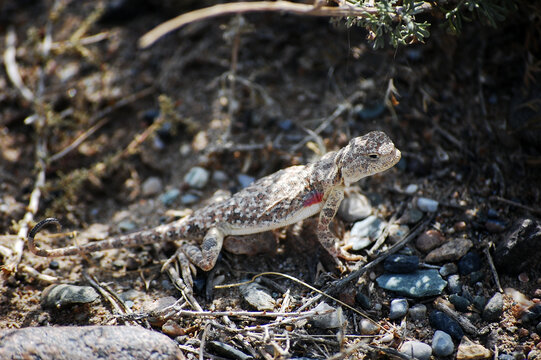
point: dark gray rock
(399, 308)
(61, 295)
(401, 264)
(460, 302)
(442, 344)
(417, 312)
(440, 321)
(417, 284)
(469, 263)
(519, 250)
(494, 308)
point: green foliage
(396, 21)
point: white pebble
(197, 177)
(427, 205)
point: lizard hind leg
(206, 255)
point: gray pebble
(427, 205)
(494, 308)
(355, 207)
(417, 312)
(401, 264)
(87, 342)
(479, 302)
(126, 225)
(460, 302)
(448, 269)
(363, 301)
(416, 349)
(245, 180)
(417, 284)
(152, 186)
(411, 189)
(188, 199)
(454, 284)
(168, 197)
(399, 308)
(59, 295)
(442, 344)
(256, 296)
(331, 318)
(364, 232)
(197, 177)
(411, 216)
(219, 176)
(367, 327)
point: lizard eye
(373, 156)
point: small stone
(367, 327)
(60, 295)
(219, 176)
(401, 264)
(173, 329)
(151, 186)
(416, 350)
(363, 301)
(448, 269)
(245, 180)
(399, 309)
(331, 318)
(257, 297)
(469, 263)
(442, 344)
(169, 196)
(454, 284)
(495, 226)
(476, 276)
(450, 251)
(429, 240)
(417, 312)
(494, 308)
(126, 226)
(417, 284)
(506, 357)
(364, 232)
(479, 302)
(468, 350)
(460, 226)
(523, 277)
(460, 302)
(355, 207)
(54, 265)
(397, 232)
(411, 189)
(427, 205)
(197, 177)
(440, 321)
(411, 216)
(532, 314)
(189, 199)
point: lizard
(272, 202)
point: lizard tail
(129, 240)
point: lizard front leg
(206, 255)
(324, 233)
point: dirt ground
(250, 95)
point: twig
(464, 322)
(486, 251)
(516, 204)
(368, 349)
(12, 70)
(264, 6)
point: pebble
(355, 207)
(460, 302)
(331, 319)
(256, 296)
(363, 232)
(468, 350)
(245, 180)
(197, 177)
(152, 186)
(450, 251)
(495, 226)
(126, 226)
(494, 308)
(219, 176)
(60, 295)
(367, 327)
(411, 216)
(173, 329)
(440, 321)
(397, 232)
(429, 240)
(454, 284)
(417, 312)
(168, 197)
(189, 199)
(401, 264)
(399, 309)
(506, 357)
(427, 205)
(476, 276)
(448, 269)
(519, 249)
(469, 263)
(416, 350)
(442, 344)
(532, 314)
(87, 342)
(479, 302)
(417, 284)
(363, 301)
(227, 351)
(411, 189)
(54, 265)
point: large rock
(520, 249)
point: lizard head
(367, 155)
